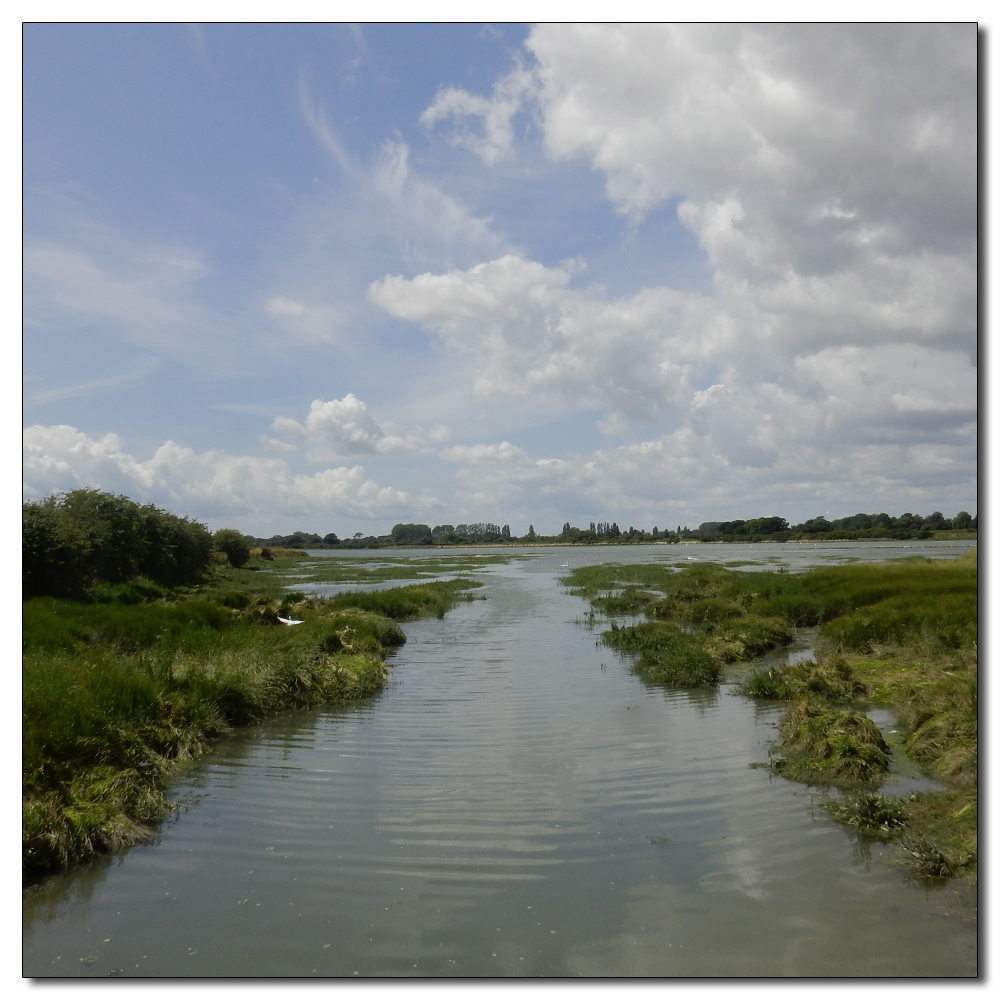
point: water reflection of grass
(118, 689)
(901, 634)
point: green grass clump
(871, 814)
(825, 745)
(629, 601)
(402, 603)
(831, 678)
(666, 655)
(708, 611)
(745, 637)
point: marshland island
(669, 724)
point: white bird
(290, 621)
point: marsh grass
(824, 745)
(665, 654)
(830, 678)
(871, 814)
(115, 692)
(901, 634)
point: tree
(410, 534)
(236, 547)
(962, 520)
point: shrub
(235, 546)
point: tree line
(78, 541)
(773, 528)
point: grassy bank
(901, 635)
(118, 688)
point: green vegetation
(234, 545)
(666, 655)
(125, 674)
(831, 746)
(901, 634)
(73, 541)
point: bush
(235, 546)
(77, 540)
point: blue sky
(331, 277)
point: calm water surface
(515, 803)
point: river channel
(514, 803)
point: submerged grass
(901, 634)
(115, 693)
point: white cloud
(346, 427)
(828, 173)
(529, 332)
(482, 454)
(284, 307)
(494, 142)
(211, 484)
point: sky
(329, 277)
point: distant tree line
(774, 529)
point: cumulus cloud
(828, 173)
(346, 427)
(212, 484)
(530, 332)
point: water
(515, 803)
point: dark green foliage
(410, 534)
(83, 538)
(870, 813)
(235, 546)
(711, 610)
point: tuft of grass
(666, 655)
(630, 601)
(923, 859)
(871, 814)
(827, 746)
(831, 678)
